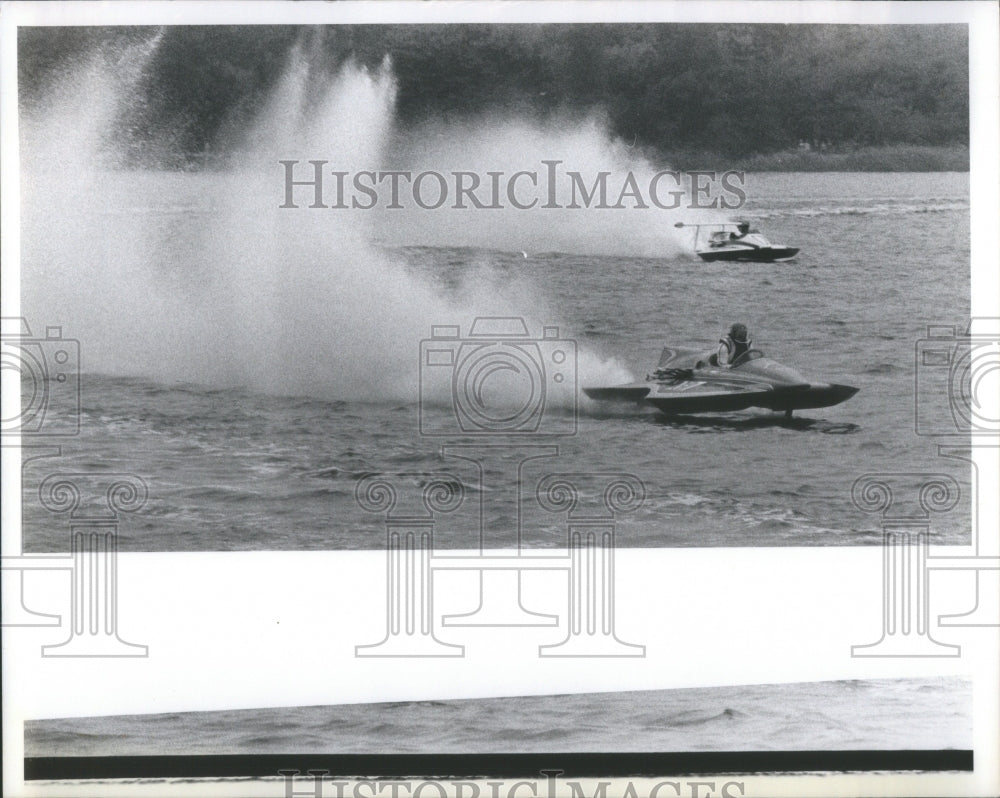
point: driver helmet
(738, 332)
(743, 227)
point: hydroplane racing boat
(687, 380)
(736, 242)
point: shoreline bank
(894, 158)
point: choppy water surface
(847, 715)
(259, 443)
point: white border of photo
(292, 643)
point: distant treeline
(732, 90)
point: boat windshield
(746, 357)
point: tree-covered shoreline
(888, 158)
(761, 97)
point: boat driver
(743, 228)
(734, 344)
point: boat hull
(757, 255)
(816, 395)
(803, 397)
(685, 383)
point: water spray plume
(201, 277)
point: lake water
(236, 459)
(929, 714)
(252, 364)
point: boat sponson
(758, 255)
